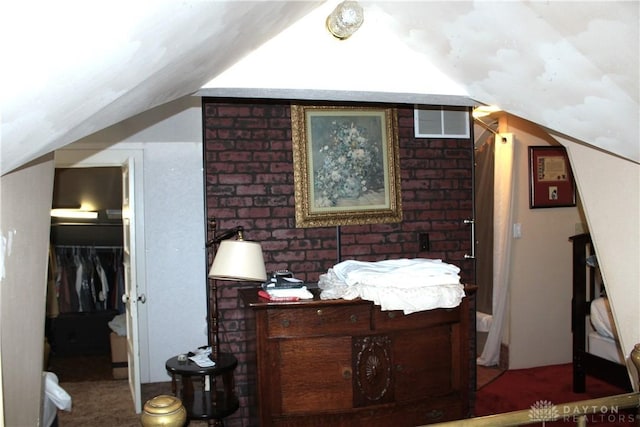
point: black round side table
(211, 399)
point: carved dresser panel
(347, 363)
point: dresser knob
(319, 312)
(391, 315)
(434, 414)
(346, 374)
(353, 318)
(286, 323)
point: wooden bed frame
(584, 288)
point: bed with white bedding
(596, 350)
(602, 336)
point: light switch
(517, 230)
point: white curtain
(502, 207)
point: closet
(86, 278)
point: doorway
(102, 155)
(84, 309)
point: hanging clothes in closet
(89, 279)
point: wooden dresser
(347, 363)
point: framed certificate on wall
(551, 183)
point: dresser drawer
(417, 413)
(429, 412)
(384, 321)
(318, 321)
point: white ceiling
(71, 68)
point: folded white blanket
(409, 285)
(401, 273)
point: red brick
(249, 182)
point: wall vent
(441, 122)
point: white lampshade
(239, 260)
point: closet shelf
(93, 234)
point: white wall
(26, 202)
(175, 252)
(539, 329)
(610, 187)
(175, 268)
(173, 320)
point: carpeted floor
(98, 399)
(521, 389)
(81, 368)
(108, 404)
(484, 375)
(105, 403)
(99, 403)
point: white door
(131, 297)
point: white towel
(302, 292)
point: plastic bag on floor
(55, 397)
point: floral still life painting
(345, 165)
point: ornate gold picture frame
(346, 165)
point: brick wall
(249, 182)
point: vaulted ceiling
(71, 68)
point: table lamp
(235, 260)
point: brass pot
(163, 411)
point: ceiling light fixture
(484, 110)
(74, 213)
(345, 19)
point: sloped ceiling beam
(77, 67)
(71, 68)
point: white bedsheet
(603, 339)
(604, 347)
(409, 285)
(602, 319)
